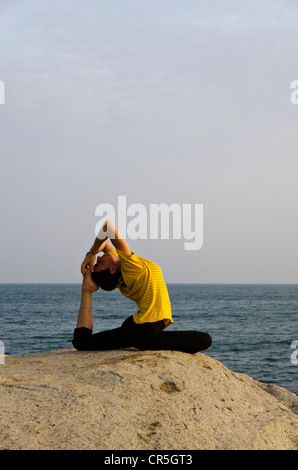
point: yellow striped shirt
(145, 285)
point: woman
(140, 280)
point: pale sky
(162, 101)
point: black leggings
(141, 336)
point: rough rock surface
(130, 399)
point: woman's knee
(207, 341)
(195, 341)
(81, 339)
(204, 342)
(79, 345)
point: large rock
(130, 399)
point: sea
(254, 327)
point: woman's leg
(185, 341)
(84, 340)
(145, 336)
(117, 338)
(85, 317)
(153, 337)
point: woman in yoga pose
(140, 280)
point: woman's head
(105, 279)
(107, 271)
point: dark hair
(105, 280)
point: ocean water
(252, 326)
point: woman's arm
(101, 243)
(108, 247)
(109, 230)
